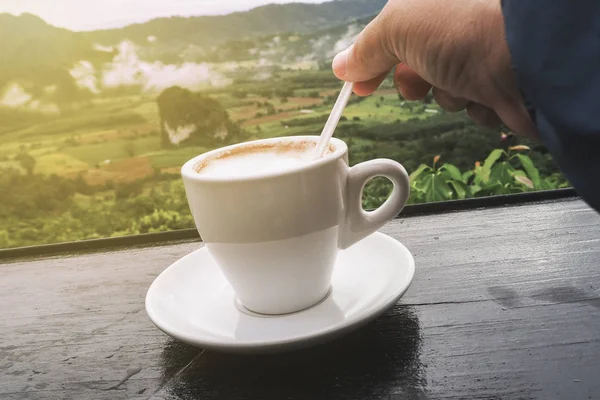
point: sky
(81, 15)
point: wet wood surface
(505, 305)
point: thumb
(370, 56)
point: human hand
(457, 48)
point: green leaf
(461, 190)
(502, 172)
(415, 175)
(453, 171)
(507, 188)
(444, 175)
(435, 188)
(491, 188)
(545, 184)
(531, 170)
(489, 162)
(493, 157)
(467, 175)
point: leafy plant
(502, 172)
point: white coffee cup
(276, 235)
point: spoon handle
(334, 118)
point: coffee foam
(256, 159)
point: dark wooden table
(505, 305)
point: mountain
(283, 48)
(273, 18)
(29, 46)
(36, 59)
(45, 67)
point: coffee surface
(253, 163)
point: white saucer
(192, 301)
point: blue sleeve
(555, 50)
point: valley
(88, 150)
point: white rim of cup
(188, 170)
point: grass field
(166, 159)
(118, 138)
(118, 178)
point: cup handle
(359, 223)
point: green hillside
(272, 18)
(37, 55)
(33, 51)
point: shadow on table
(379, 361)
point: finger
(483, 115)
(410, 85)
(449, 102)
(517, 119)
(368, 87)
(369, 56)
